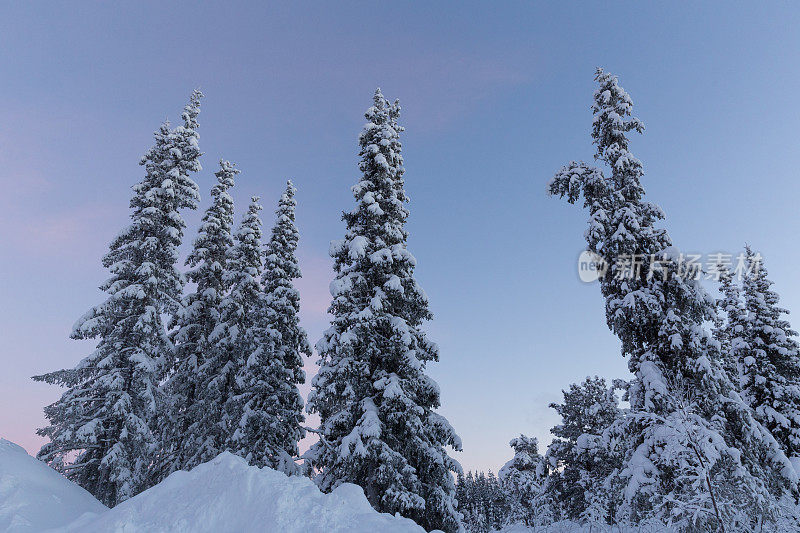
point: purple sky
(495, 99)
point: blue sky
(495, 99)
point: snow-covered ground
(222, 495)
(34, 497)
(572, 527)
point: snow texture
(224, 494)
(34, 497)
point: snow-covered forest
(198, 366)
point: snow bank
(226, 494)
(34, 497)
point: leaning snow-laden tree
(660, 317)
(521, 478)
(770, 360)
(187, 436)
(379, 428)
(582, 457)
(271, 424)
(236, 339)
(105, 419)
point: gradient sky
(495, 99)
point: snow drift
(225, 494)
(34, 497)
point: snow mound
(34, 497)
(226, 494)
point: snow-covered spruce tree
(730, 323)
(272, 418)
(660, 320)
(236, 339)
(580, 458)
(697, 496)
(187, 435)
(521, 478)
(105, 420)
(376, 404)
(770, 360)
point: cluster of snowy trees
(180, 376)
(564, 484)
(704, 436)
(708, 439)
(483, 501)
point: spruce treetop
(282, 245)
(281, 297)
(612, 108)
(244, 260)
(214, 239)
(731, 323)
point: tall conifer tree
(577, 460)
(107, 415)
(379, 428)
(522, 477)
(770, 359)
(272, 417)
(185, 432)
(678, 376)
(236, 338)
(730, 323)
